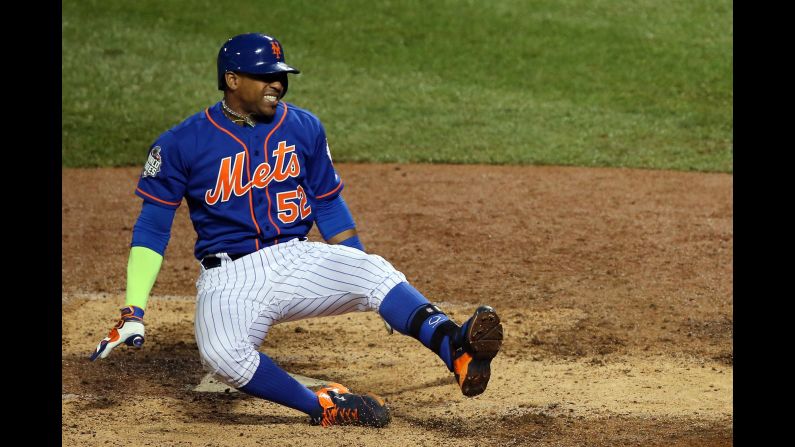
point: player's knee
(232, 364)
(388, 277)
(385, 269)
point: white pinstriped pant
(239, 301)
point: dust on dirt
(614, 287)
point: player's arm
(332, 216)
(151, 234)
(343, 236)
(335, 222)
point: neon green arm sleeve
(142, 269)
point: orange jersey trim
(248, 167)
(330, 192)
(270, 218)
(156, 199)
(265, 152)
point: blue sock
(399, 305)
(410, 313)
(272, 383)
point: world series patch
(152, 166)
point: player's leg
(466, 350)
(314, 279)
(230, 323)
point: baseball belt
(211, 261)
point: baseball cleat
(341, 407)
(480, 341)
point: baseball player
(256, 173)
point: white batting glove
(129, 330)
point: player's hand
(129, 330)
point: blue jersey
(246, 187)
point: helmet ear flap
(222, 79)
(285, 83)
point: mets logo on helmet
(152, 166)
(277, 51)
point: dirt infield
(615, 287)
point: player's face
(259, 94)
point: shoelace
(335, 415)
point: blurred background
(644, 84)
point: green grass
(645, 84)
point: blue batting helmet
(252, 53)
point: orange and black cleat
(341, 407)
(479, 341)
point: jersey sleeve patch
(153, 163)
(163, 180)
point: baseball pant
(240, 300)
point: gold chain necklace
(240, 118)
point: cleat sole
(484, 337)
(485, 334)
(477, 378)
